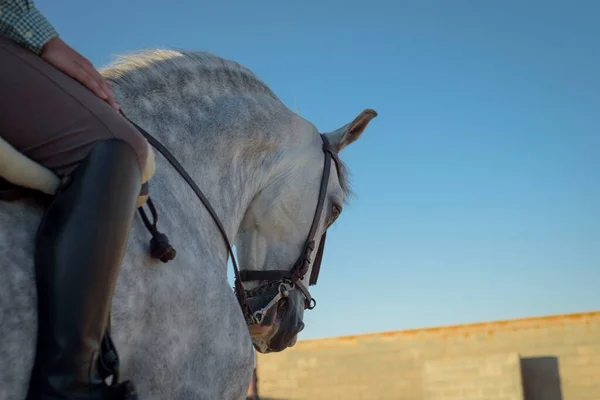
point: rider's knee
(132, 136)
(140, 145)
(145, 158)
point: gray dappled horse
(178, 327)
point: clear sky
(478, 185)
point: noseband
(284, 280)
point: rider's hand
(63, 57)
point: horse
(179, 328)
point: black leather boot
(79, 247)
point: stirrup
(108, 359)
(108, 365)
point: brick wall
(550, 358)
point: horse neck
(230, 160)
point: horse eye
(336, 211)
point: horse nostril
(300, 327)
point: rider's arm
(22, 22)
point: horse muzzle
(288, 322)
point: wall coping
(488, 327)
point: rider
(56, 109)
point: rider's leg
(53, 119)
(57, 122)
(79, 247)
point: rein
(284, 280)
(240, 293)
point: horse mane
(131, 71)
(127, 69)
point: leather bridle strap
(303, 263)
(314, 274)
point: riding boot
(79, 247)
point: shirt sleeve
(23, 23)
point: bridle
(284, 281)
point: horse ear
(347, 134)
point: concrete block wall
(487, 377)
(549, 358)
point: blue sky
(478, 185)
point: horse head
(281, 238)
